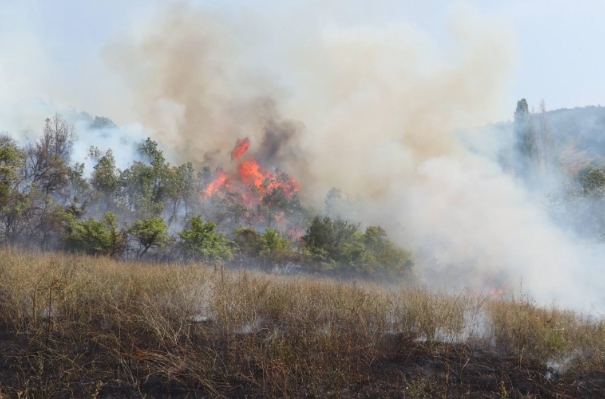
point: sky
(55, 50)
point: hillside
(578, 135)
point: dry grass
(91, 327)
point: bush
(149, 233)
(102, 237)
(205, 242)
(339, 244)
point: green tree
(183, 188)
(13, 203)
(96, 237)
(11, 158)
(326, 238)
(105, 178)
(146, 186)
(381, 253)
(149, 233)
(274, 247)
(204, 242)
(340, 244)
(80, 191)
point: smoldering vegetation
(76, 326)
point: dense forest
(155, 211)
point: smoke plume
(375, 111)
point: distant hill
(578, 135)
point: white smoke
(382, 108)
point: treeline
(580, 203)
(577, 199)
(155, 211)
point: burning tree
(253, 193)
(247, 213)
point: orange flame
(497, 292)
(250, 173)
(216, 184)
(241, 146)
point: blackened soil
(402, 368)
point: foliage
(275, 247)
(592, 180)
(49, 203)
(580, 204)
(145, 186)
(248, 241)
(11, 158)
(326, 238)
(105, 176)
(268, 249)
(96, 237)
(204, 242)
(149, 233)
(340, 244)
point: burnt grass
(79, 327)
(401, 367)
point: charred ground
(79, 326)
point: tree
(525, 140)
(105, 178)
(340, 244)
(11, 158)
(326, 238)
(149, 233)
(248, 241)
(204, 242)
(183, 192)
(274, 247)
(47, 160)
(380, 252)
(592, 180)
(145, 186)
(13, 204)
(79, 190)
(96, 237)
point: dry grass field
(85, 327)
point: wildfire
(241, 146)
(498, 292)
(252, 175)
(216, 184)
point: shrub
(204, 242)
(96, 237)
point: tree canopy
(154, 210)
